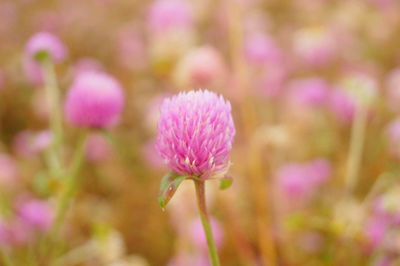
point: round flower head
(36, 213)
(195, 134)
(95, 100)
(203, 66)
(165, 15)
(316, 45)
(308, 92)
(44, 42)
(260, 48)
(342, 106)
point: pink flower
(342, 106)
(308, 92)
(47, 43)
(319, 170)
(195, 134)
(298, 181)
(41, 141)
(294, 182)
(165, 15)
(131, 49)
(42, 42)
(37, 214)
(272, 81)
(28, 144)
(260, 48)
(95, 100)
(375, 231)
(316, 46)
(201, 67)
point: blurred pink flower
(308, 92)
(36, 213)
(41, 42)
(319, 170)
(342, 106)
(131, 49)
(42, 140)
(165, 15)
(271, 82)
(48, 43)
(22, 144)
(94, 100)
(200, 68)
(293, 181)
(97, 148)
(298, 181)
(198, 238)
(316, 45)
(375, 231)
(195, 134)
(28, 144)
(260, 48)
(20, 233)
(8, 171)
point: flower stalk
(56, 124)
(201, 204)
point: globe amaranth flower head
(95, 100)
(44, 42)
(195, 134)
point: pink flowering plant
(195, 136)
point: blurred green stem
(356, 148)
(54, 101)
(68, 188)
(201, 204)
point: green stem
(54, 100)
(201, 204)
(68, 189)
(356, 148)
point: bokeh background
(315, 93)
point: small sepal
(169, 184)
(225, 182)
(42, 55)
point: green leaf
(226, 182)
(169, 184)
